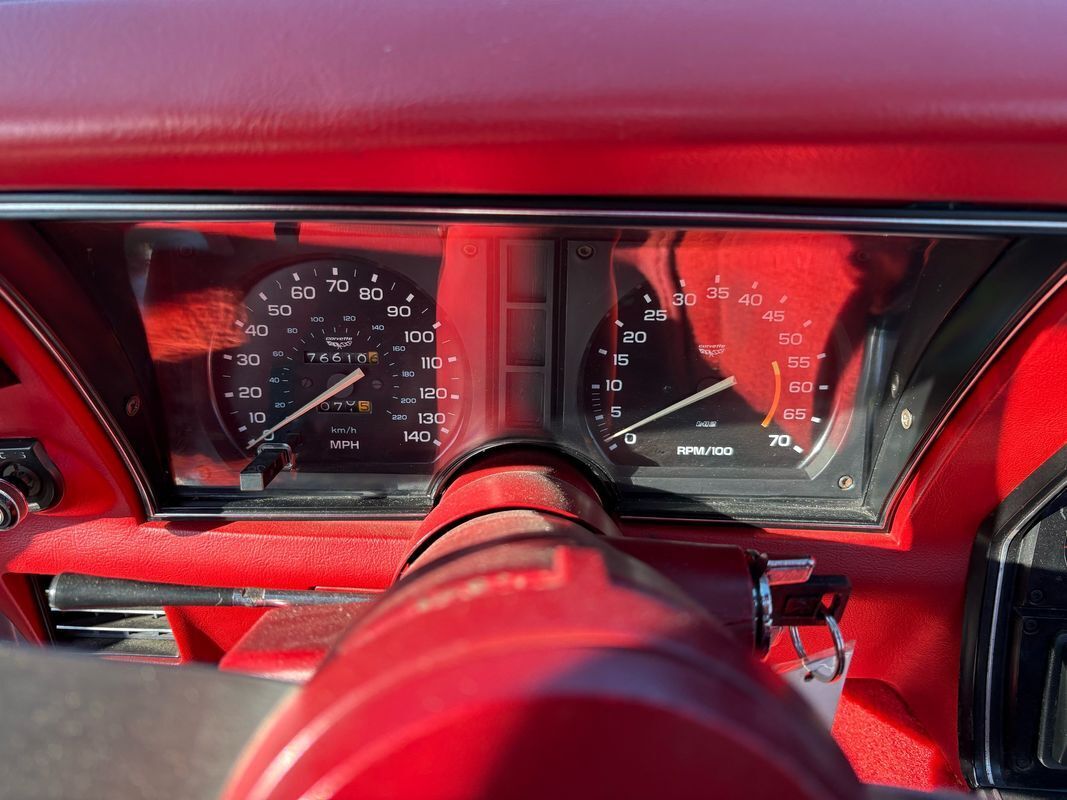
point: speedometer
(727, 372)
(346, 362)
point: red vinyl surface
(833, 102)
(821, 99)
(884, 741)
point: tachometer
(344, 361)
(728, 374)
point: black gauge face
(725, 375)
(346, 362)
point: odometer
(727, 373)
(347, 362)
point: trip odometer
(725, 373)
(346, 362)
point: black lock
(29, 481)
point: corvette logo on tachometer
(711, 350)
(339, 342)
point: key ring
(839, 651)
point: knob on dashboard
(13, 505)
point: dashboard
(695, 363)
(279, 284)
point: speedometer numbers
(347, 363)
(724, 374)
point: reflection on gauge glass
(345, 361)
(727, 374)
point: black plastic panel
(1013, 721)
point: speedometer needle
(337, 388)
(715, 388)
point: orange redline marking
(777, 394)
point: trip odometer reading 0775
(346, 362)
(728, 373)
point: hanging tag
(822, 697)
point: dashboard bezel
(1028, 280)
(997, 745)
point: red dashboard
(540, 183)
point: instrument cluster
(335, 366)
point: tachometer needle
(337, 388)
(715, 388)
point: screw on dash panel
(133, 405)
(845, 482)
(906, 419)
(584, 251)
(469, 250)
